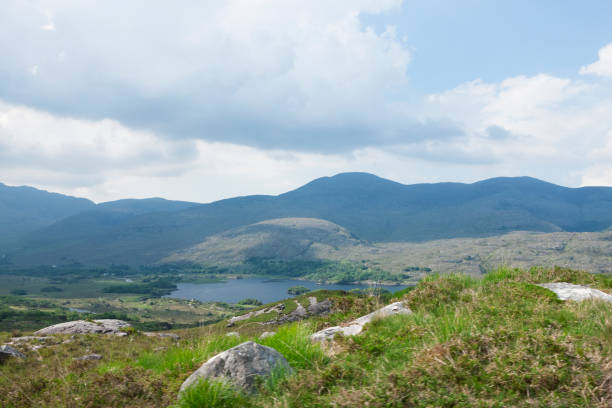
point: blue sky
(216, 99)
(458, 41)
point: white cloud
(272, 74)
(552, 127)
(602, 67)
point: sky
(204, 100)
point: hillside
(285, 238)
(499, 341)
(371, 208)
(26, 209)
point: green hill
(371, 208)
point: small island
(297, 290)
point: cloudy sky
(202, 100)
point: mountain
(143, 206)
(372, 208)
(26, 209)
(284, 238)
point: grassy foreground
(494, 342)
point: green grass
(500, 341)
(216, 394)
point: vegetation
(321, 270)
(56, 295)
(250, 301)
(297, 290)
(497, 341)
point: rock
(276, 308)
(7, 352)
(356, 326)
(89, 357)
(240, 365)
(569, 291)
(25, 339)
(319, 308)
(102, 326)
(232, 334)
(170, 335)
(265, 335)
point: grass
(500, 341)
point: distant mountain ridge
(371, 208)
(24, 210)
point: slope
(372, 208)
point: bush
(297, 290)
(50, 289)
(250, 301)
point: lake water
(264, 290)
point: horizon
(308, 182)
(214, 100)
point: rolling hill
(371, 208)
(285, 238)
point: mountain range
(37, 227)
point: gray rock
(267, 334)
(578, 293)
(25, 339)
(7, 352)
(89, 357)
(276, 308)
(232, 334)
(168, 335)
(356, 326)
(319, 308)
(102, 326)
(240, 365)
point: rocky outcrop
(578, 293)
(27, 339)
(163, 335)
(240, 365)
(300, 312)
(102, 326)
(276, 308)
(7, 352)
(356, 326)
(319, 308)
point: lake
(262, 289)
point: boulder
(7, 352)
(356, 326)
(267, 334)
(89, 357)
(26, 339)
(232, 334)
(163, 335)
(240, 365)
(319, 308)
(102, 326)
(569, 291)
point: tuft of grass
(180, 359)
(212, 394)
(293, 342)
